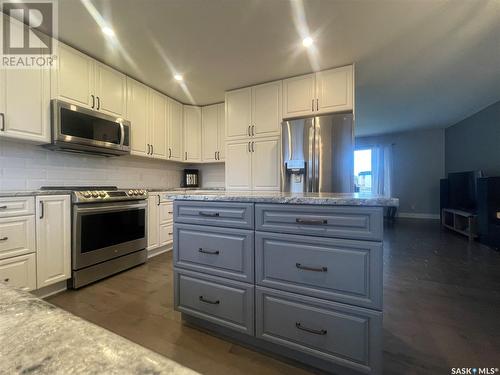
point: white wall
(25, 166)
(418, 165)
(212, 175)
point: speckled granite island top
(39, 338)
(339, 199)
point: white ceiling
(419, 63)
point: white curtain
(382, 170)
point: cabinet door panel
(238, 165)
(110, 90)
(153, 221)
(298, 96)
(75, 77)
(221, 131)
(53, 233)
(19, 272)
(158, 124)
(137, 114)
(210, 115)
(238, 113)
(266, 164)
(192, 133)
(266, 109)
(334, 89)
(25, 104)
(175, 130)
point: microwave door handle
(122, 134)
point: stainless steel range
(109, 231)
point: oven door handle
(110, 208)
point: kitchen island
(39, 338)
(298, 275)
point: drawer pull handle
(170, 233)
(6, 280)
(170, 212)
(209, 214)
(216, 252)
(4, 238)
(311, 221)
(307, 268)
(310, 330)
(3, 207)
(208, 301)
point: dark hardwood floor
(441, 304)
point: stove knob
(95, 194)
(130, 192)
(102, 194)
(142, 192)
(136, 192)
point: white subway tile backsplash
(26, 166)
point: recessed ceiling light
(178, 77)
(307, 42)
(108, 31)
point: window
(363, 171)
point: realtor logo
(28, 32)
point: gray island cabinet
(300, 280)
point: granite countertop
(31, 193)
(340, 199)
(39, 338)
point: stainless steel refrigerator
(318, 154)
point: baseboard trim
(413, 215)
(50, 290)
(159, 250)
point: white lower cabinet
(35, 241)
(253, 165)
(160, 222)
(19, 272)
(53, 235)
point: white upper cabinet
(238, 113)
(192, 133)
(318, 93)
(299, 96)
(221, 131)
(137, 114)
(110, 90)
(85, 81)
(238, 165)
(334, 89)
(74, 81)
(53, 238)
(175, 130)
(158, 124)
(25, 103)
(210, 119)
(266, 109)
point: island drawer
(17, 236)
(19, 272)
(361, 223)
(222, 252)
(335, 332)
(17, 206)
(220, 301)
(341, 270)
(221, 214)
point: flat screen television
(462, 190)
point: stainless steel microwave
(82, 130)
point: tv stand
(460, 221)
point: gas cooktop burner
(95, 194)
